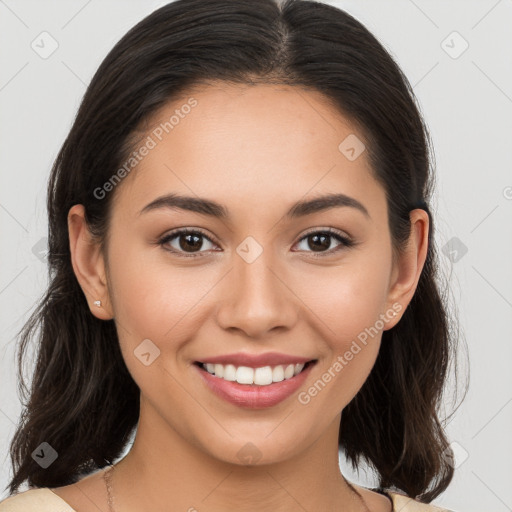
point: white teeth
(278, 374)
(289, 370)
(263, 376)
(260, 376)
(219, 370)
(244, 375)
(229, 372)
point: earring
(97, 303)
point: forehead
(250, 145)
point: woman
(242, 270)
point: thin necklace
(107, 476)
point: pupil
(324, 243)
(187, 237)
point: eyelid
(331, 231)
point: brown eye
(190, 242)
(185, 241)
(321, 241)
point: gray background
(466, 98)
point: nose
(256, 298)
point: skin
(185, 452)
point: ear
(408, 266)
(88, 264)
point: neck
(164, 469)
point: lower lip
(252, 396)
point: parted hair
(81, 398)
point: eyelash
(344, 241)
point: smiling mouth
(261, 376)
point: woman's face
(259, 279)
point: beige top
(45, 500)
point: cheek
(345, 305)
(351, 341)
(346, 299)
(154, 300)
(153, 297)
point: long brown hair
(82, 399)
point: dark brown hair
(82, 399)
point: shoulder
(399, 502)
(403, 503)
(35, 500)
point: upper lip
(256, 360)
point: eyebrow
(214, 209)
